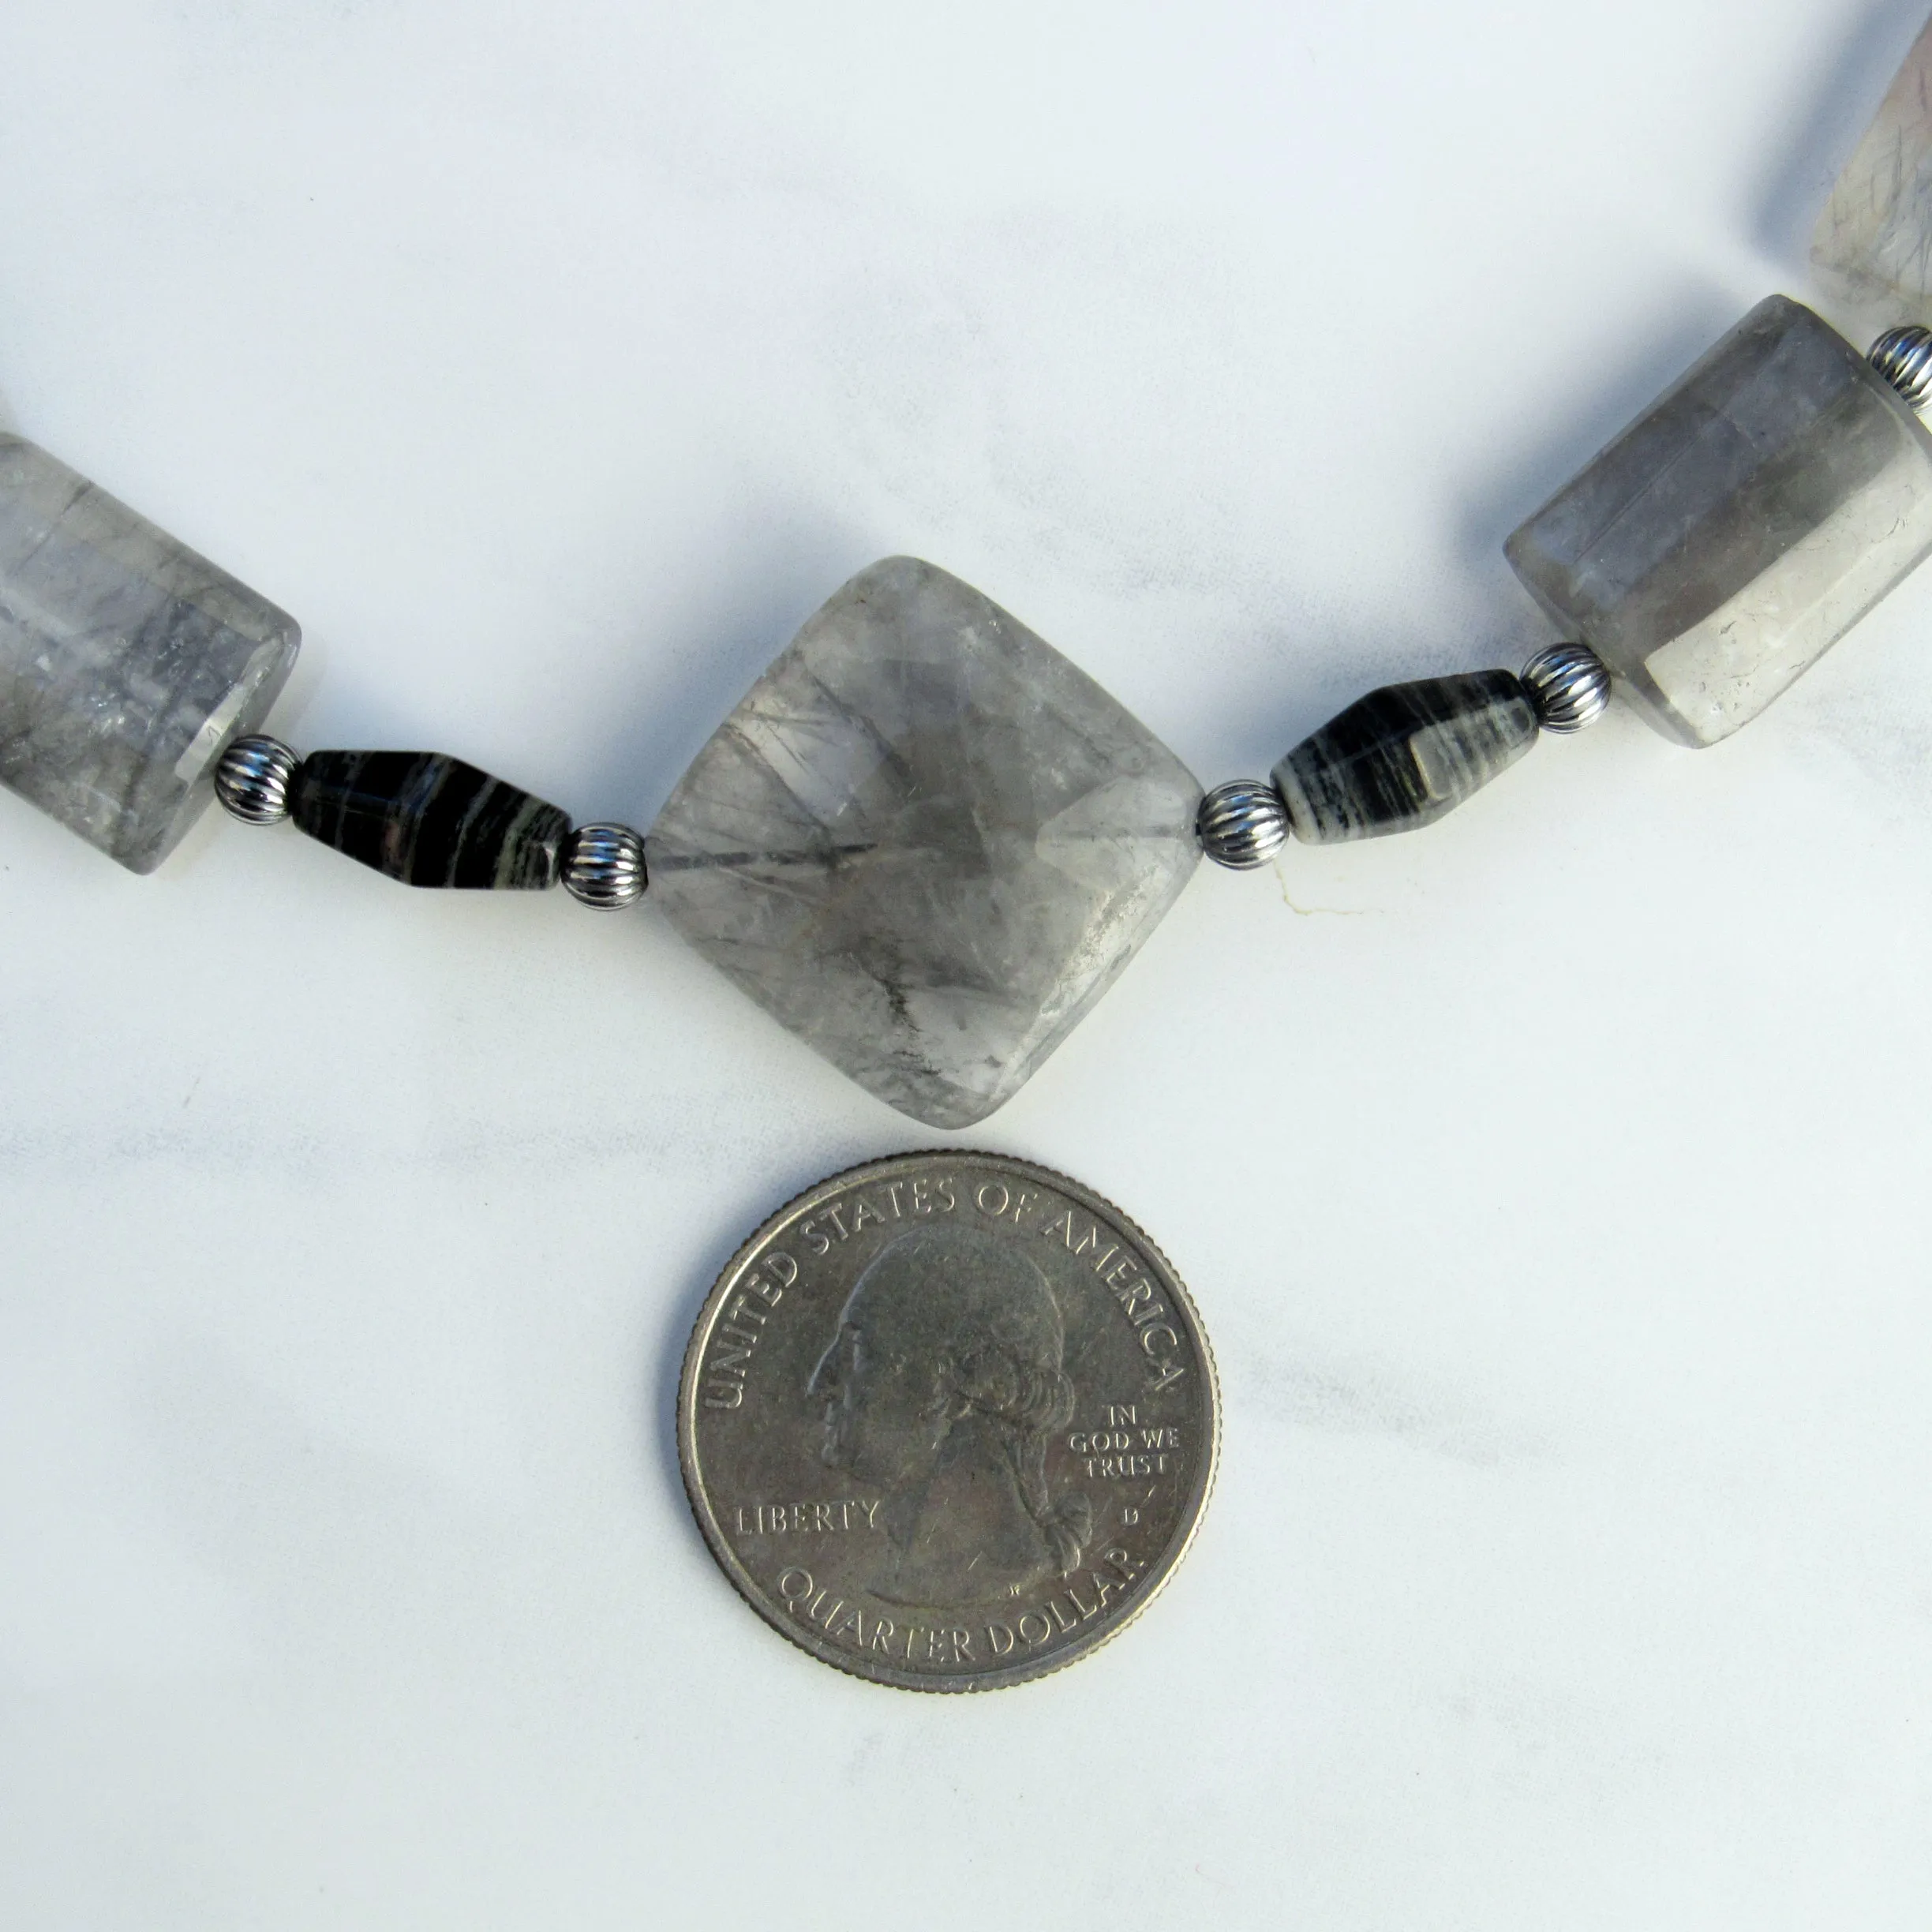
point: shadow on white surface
(778, 568)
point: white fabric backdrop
(1552, 1182)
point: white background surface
(1552, 1182)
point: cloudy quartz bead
(925, 842)
(127, 664)
(1720, 545)
(1873, 244)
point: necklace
(924, 841)
(1267, 980)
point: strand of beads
(1402, 757)
(1799, 492)
(428, 819)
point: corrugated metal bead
(1569, 686)
(603, 867)
(252, 779)
(1903, 357)
(1242, 824)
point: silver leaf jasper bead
(1569, 686)
(252, 779)
(604, 865)
(1242, 824)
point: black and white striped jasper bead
(428, 820)
(1404, 755)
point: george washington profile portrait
(941, 1389)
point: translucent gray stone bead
(1872, 243)
(925, 842)
(127, 662)
(1404, 755)
(1720, 545)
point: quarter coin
(947, 1420)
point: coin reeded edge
(1195, 1506)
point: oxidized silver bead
(252, 779)
(1903, 357)
(1242, 824)
(604, 865)
(1569, 686)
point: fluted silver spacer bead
(1242, 824)
(1903, 357)
(1569, 685)
(252, 779)
(604, 865)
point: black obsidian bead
(1404, 755)
(428, 820)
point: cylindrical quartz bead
(428, 820)
(1404, 755)
(1720, 545)
(127, 662)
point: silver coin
(947, 1420)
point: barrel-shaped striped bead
(428, 820)
(1403, 756)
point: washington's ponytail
(1030, 1402)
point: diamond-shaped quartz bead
(925, 842)
(1873, 244)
